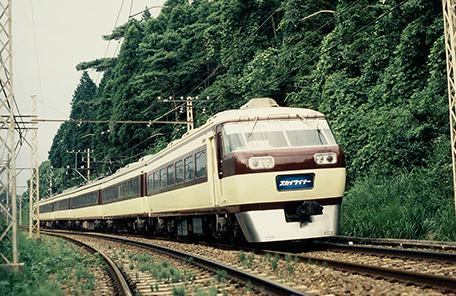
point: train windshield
(270, 134)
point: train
(261, 173)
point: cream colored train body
(263, 172)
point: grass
(406, 205)
(52, 258)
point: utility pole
(34, 223)
(449, 22)
(189, 102)
(190, 124)
(51, 174)
(7, 138)
(88, 162)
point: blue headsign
(294, 182)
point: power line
(293, 47)
(239, 48)
(150, 122)
(318, 55)
(109, 43)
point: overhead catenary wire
(205, 80)
(239, 48)
(293, 47)
(36, 53)
(270, 15)
(318, 55)
(109, 43)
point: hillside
(375, 68)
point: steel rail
(416, 254)
(121, 284)
(444, 283)
(404, 243)
(419, 279)
(258, 283)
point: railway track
(420, 268)
(425, 269)
(200, 272)
(117, 280)
(326, 269)
(398, 243)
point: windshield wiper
(253, 127)
(320, 133)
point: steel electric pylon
(34, 223)
(7, 137)
(449, 22)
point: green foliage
(43, 259)
(247, 262)
(412, 205)
(179, 291)
(374, 68)
(241, 255)
(222, 276)
(290, 268)
(275, 261)
(287, 257)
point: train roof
(263, 108)
(255, 108)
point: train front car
(283, 171)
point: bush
(42, 259)
(408, 205)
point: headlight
(325, 158)
(259, 163)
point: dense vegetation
(49, 265)
(375, 68)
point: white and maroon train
(264, 172)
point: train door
(214, 171)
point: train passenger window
(125, 189)
(130, 188)
(179, 172)
(46, 208)
(136, 187)
(162, 178)
(171, 175)
(200, 164)
(189, 168)
(63, 204)
(150, 182)
(156, 180)
(121, 190)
